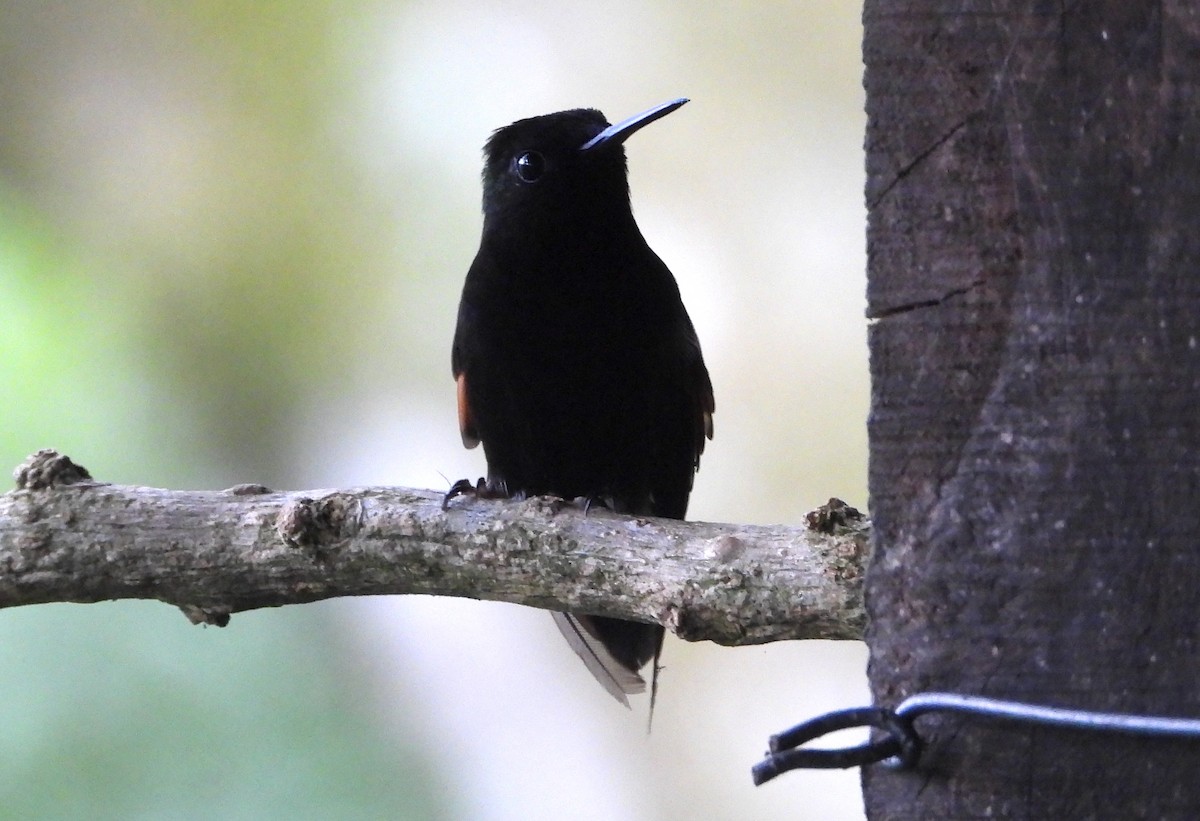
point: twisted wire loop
(900, 746)
(900, 742)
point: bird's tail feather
(612, 649)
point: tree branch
(66, 538)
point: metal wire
(901, 746)
(922, 703)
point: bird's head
(567, 165)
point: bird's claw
(586, 503)
(481, 489)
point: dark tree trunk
(1034, 246)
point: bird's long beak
(617, 134)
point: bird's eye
(530, 166)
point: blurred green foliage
(128, 711)
(168, 355)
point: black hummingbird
(577, 365)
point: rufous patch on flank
(470, 438)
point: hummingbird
(577, 366)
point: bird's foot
(481, 489)
(587, 503)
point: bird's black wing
(686, 415)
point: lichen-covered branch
(67, 538)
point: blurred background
(232, 239)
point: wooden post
(1034, 251)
